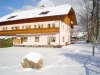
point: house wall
(43, 40)
(65, 32)
(62, 38)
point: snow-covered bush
(6, 42)
(32, 60)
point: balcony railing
(28, 31)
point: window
(36, 39)
(13, 38)
(48, 25)
(26, 27)
(12, 17)
(22, 27)
(38, 26)
(42, 26)
(18, 27)
(15, 28)
(44, 12)
(24, 39)
(34, 26)
(12, 28)
(4, 28)
(29, 26)
(63, 39)
(53, 25)
(52, 39)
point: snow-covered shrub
(32, 60)
(6, 42)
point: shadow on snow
(86, 60)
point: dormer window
(12, 17)
(44, 12)
(42, 6)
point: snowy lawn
(75, 59)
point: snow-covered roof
(39, 12)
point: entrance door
(21, 40)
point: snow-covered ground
(75, 59)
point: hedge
(6, 42)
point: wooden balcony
(28, 31)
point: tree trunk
(94, 24)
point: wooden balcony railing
(28, 31)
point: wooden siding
(17, 41)
(72, 16)
(67, 20)
(29, 31)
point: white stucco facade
(61, 38)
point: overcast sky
(8, 6)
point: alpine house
(45, 26)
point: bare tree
(95, 25)
(85, 17)
(89, 18)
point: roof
(36, 13)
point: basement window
(44, 12)
(12, 17)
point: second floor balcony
(29, 31)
